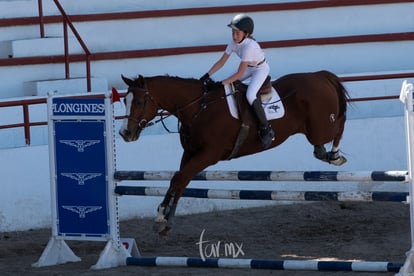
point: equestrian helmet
(242, 22)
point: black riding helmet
(242, 22)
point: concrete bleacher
(199, 30)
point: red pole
(68, 22)
(26, 123)
(66, 45)
(41, 23)
(88, 73)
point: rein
(143, 123)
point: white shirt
(248, 51)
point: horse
(315, 105)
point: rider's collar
(243, 40)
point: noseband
(141, 123)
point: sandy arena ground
(324, 231)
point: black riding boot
(265, 129)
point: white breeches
(257, 76)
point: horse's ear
(141, 80)
(127, 80)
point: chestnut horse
(315, 105)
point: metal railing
(27, 124)
(67, 22)
(41, 21)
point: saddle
(265, 91)
(245, 113)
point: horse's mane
(172, 77)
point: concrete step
(18, 8)
(64, 86)
(5, 49)
(50, 46)
(23, 8)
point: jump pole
(355, 176)
(265, 264)
(356, 196)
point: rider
(252, 65)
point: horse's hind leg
(333, 157)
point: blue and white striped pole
(265, 264)
(268, 195)
(360, 176)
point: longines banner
(81, 172)
(78, 107)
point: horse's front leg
(167, 208)
(191, 164)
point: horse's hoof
(161, 228)
(338, 161)
(164, 233)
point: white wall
(368, 144)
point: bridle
(142, 122)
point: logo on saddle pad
(272, 106)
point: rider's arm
(236, 76)
(220, 63)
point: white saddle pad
(273, 107)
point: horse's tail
(343, 95)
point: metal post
(88, 72)
(26, 121)
(66, 46)
(41, 23)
